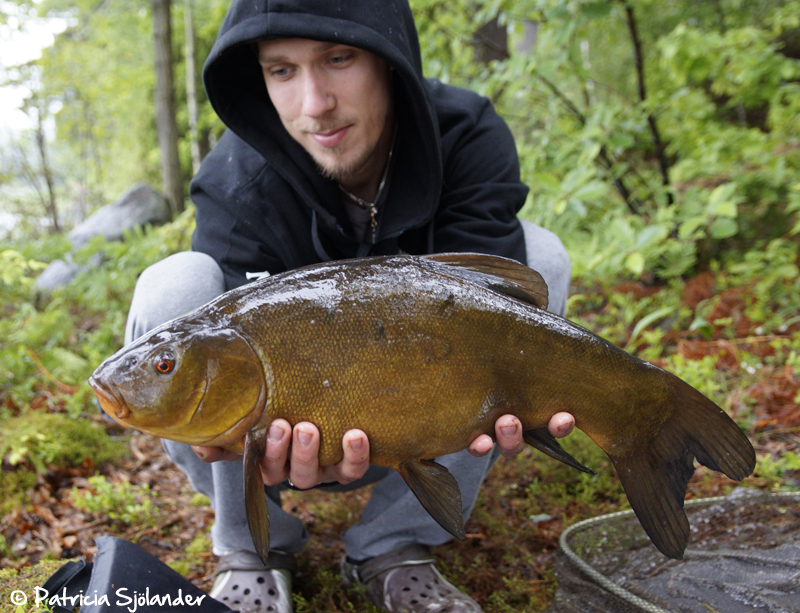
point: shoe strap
(366, 578)
(248, 560)
(408, 555)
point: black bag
(124, 577)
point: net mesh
(743, 557)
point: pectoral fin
(541, 439)
(255, 501)
(437, 491)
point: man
(338, 147)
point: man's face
(335, 100)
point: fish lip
(112, 396)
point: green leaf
(646, 321)
(723, 201)
(593, 10)
(591, 191)
(689, 228)
(635, 263)
(723, 227)
(701, 325)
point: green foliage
(57, 340)
(98, 82)
(27, 580)
(200, 545)
(15, 485)
(16, 273)
(40, 439)
(564, 486)
(720, 87)
(122, 501)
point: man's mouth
(331, 138)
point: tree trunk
(191, 87)
(41, 144)
(166, 124)
(658, 143)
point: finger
(215, 454)
(274, 464)
(509, 435)
(561, 424)
(304, 464)
(355, 463)
(481, 446)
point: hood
(236, 89)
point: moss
(14, 483)
(26, 581)
(42, 439)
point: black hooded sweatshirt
(262, 205)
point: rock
(61, 272)
(58, 273)
(138, 206)
(538, 520)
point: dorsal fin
(497, 273)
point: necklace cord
(371, 206)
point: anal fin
(541, 439)
(255, 501)
(437, 491)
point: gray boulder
(61, 272)
(140, 205)
(58, 273)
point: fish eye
(165, 363)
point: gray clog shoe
(246, 585)
(406, 581)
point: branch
(663, 163)
(632, 203)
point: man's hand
(294, 454)
(508, 431)
(299, 462)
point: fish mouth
(112, 403)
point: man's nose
(317, 97)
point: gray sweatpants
(393, 517)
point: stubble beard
(333, 165)
(343, 170)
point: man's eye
(341, 59)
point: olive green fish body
(368, 353)
(423, 354)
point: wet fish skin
(423, 354)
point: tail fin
(655, 475)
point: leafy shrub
(55, 341)
(653, 167)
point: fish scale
(422, 353)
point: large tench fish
(423, 354)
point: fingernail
(304, 438)
(357, 444)
(509, 430)
(275, 434)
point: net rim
(620, 591)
